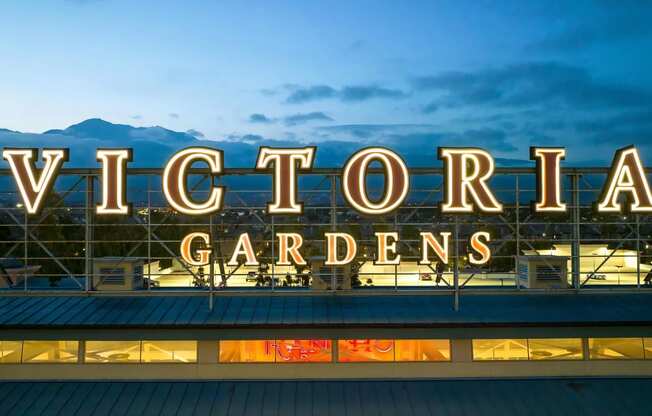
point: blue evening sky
(411, 75)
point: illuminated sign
(387, 251)
(467, 173)
(466, 176)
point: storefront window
(422, 350)
(361, 350)
(10, 352)
(50, 351)
(112, 352)
(246, 351)
(280, 351)
(555, 349)
(303, 350)
(616, 348)
(169, 351)
(500, 349)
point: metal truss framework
(515, 230)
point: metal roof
(411, 397)
(322, 310)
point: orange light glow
(280, 351)
(361, 350)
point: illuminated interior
(555, 349)
(616, 348)
(369, 350)
(279, 351)
(500, 349)
(422, 350)
(599, 265)
(169, 351)
(528, 349)
(321, 350)
(10, 351)
(360, 350)
(112, 352)
(50, 351)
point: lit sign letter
(626, 176)
(23, 167)
(466, 171)
(332, 255)
(429, 241)
(397, 181)
(285, 248)
(285, 185)
(204, 253)
(548, 178)
(243, 247)
(480, 247)
(385, 247)
(175, 180)
(114, 180)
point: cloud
(363, 93)
(618, 22)
(173, 115)
(430, 108)
(303, 118)
(535, 84)
(136, 117)
(260, 118)
(316, 92)
(195, 133)
(347, 94)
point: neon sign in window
(279, 351)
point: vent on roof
(542, 272)
(114, 273)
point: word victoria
(467, 172)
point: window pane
(555, 349)
(112, 352)
(303, 350)
(50, 351)
(358, 350)
(422, 350)
(648, 348)
(616, 348)
(247, 351)
(499, 349)
(10, 352)
(169, 351)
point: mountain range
(152, 146)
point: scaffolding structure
(63, 243)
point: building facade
(108, 306)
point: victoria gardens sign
(466, 190)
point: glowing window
(422, 350)
(555, 349)
(10, 352)
(169, 352)
(50, 351)
(616, 348)
(247, 351)
(500, 349)
(647, 342)
(360, 350)
(112, 352)
(303, 350)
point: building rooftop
(178, 311)
(365, 397)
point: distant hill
(152, 146)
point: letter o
(397, 181)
